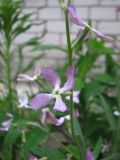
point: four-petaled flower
(6, 124)
(43, 99)
(74, 18)
(27, 78)
(48, 117)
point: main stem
(69, 49)
(70, 64)
(8, 72)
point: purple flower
(43, 99)
(26, 78)
(6, 124)
(74, 18)
(48, 116)
(89, 155)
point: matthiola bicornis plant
(74, 18)
(43, 99)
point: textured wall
(102, 12)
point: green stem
(8, 72)
(69, 49)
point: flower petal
(23, 101)
(76, 113)
(75, 96)
(49, 116)
(70, 80)
(31, 157)
(89, 155)
(40, 100)
(37, 69)
(53, 120)
(116, 113)
(51, 76)
(102, 36)
(6, 125)
(43, 116)
(74, 18)
(25, 78)
(60, 105)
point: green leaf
(78, 84)
(79, 138)
(48, 47)
(51, 154)
(105, 78)
(34, 137)
(97, 148)
(31, 63)
(92, 89)
(78, 131)
(85, 64)
(8, 143)
(108, 110)
(73, 150)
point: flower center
(56, 92)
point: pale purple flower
(6, 124)
(74, 18)
(89, 155)
(23, 101)
(43, 99)
(48, 116)
(75, 96)
(27, 78)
